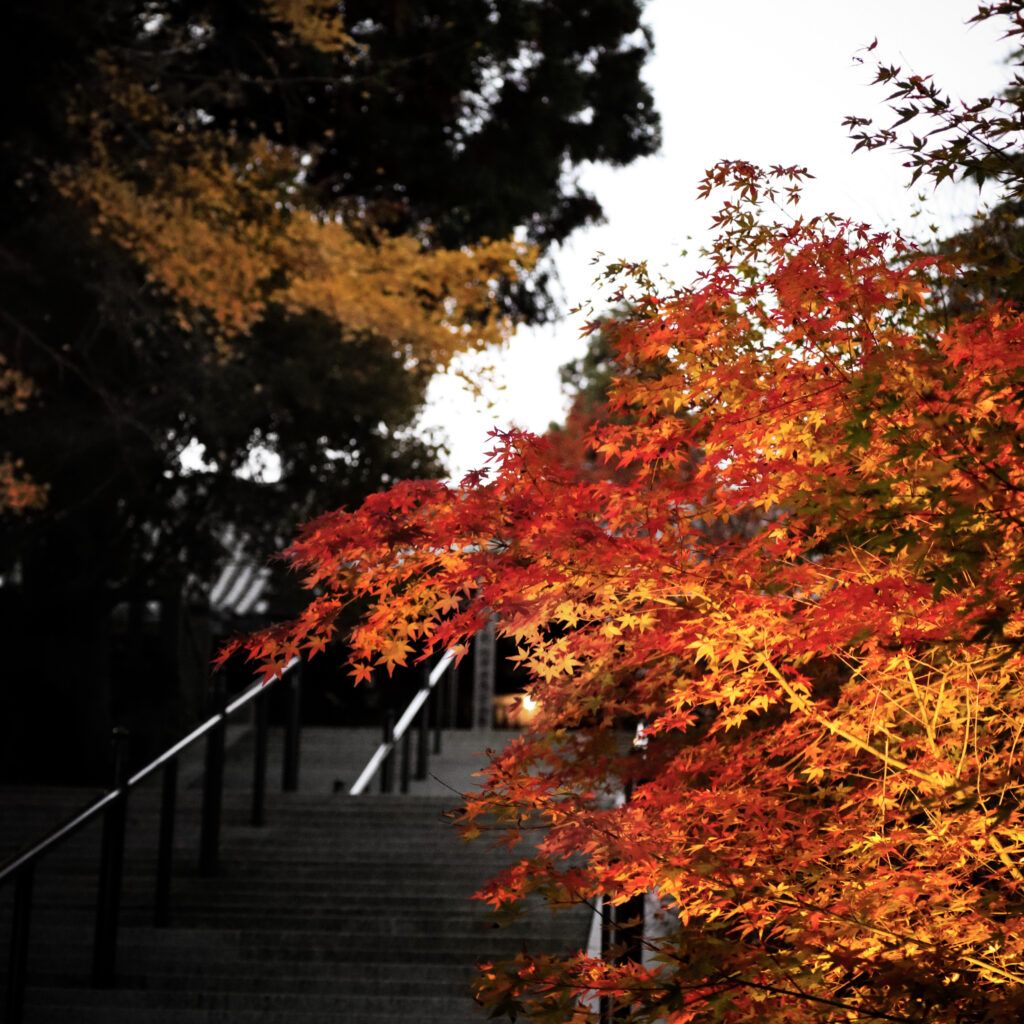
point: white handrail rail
(385, 748)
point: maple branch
(803, 704)
(823, 1000)
(800, 702)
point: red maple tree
(806, 590)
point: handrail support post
(422, 744)
(213, 792)
(387, 781)
(438, 711)
(165, 849)
(108, 899)
(451, 681)
(406, 757)
(292, 730)
(259, 760)
(14, 1003)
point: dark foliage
(459, 119)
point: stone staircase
(339, 909)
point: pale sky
(768, 82)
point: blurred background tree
(238, 239)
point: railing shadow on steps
(19, 870)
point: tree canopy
(798, 582)
(804, 593)
(186, 177)
(239, 230)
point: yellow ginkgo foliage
(18, 491)
(222, 227)
(316, 23)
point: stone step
(357, 979)
(193, 893)
(421, 945)
(382, 1001)
(111, 1013)
(265, 958)
(339, 909)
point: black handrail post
(165, 850)
(443, 685)
(14, 1003)
(259, 759)
(631, 915)
(422, 723)
(213, 787)
(622, 935)
(631, 928)
(422, 743)
(438, 709)
(387, 781)
(290, 766)
(605, 1002)
(108, 899)
(406, 757)
(452, 693)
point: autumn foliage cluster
(802, 582)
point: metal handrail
(57, 836)
(395, 733)
(201, 730)
(68, 828)
(20, 868)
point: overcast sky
(737, 79)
